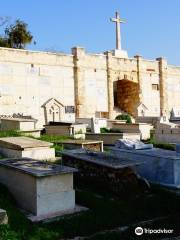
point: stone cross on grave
(118, 21)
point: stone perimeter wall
(88, 82)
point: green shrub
(104, 130)
(166, 146)
(126, 117)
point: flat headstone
(21, 143)
(15, 147)
(36, 168)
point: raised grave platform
(104, 170)
(26, 126)
(86, 144)
(74, 130)
(159, 166)
(143, 128)
(26, 147)
(42, 190)
(110, 138)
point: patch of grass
(10, 133)
(50, 138)
(56, 140)
(166, 146)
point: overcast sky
(152, 29)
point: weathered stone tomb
(26, 147)
(42, 190)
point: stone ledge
(55, 216)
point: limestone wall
(87, 83)
(150, 97)
(29, 79)
(90, 83)
(173, 87)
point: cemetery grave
(87, 198)
(106, 170)
(75, 144)
(143, 128)
(43, 190)
(74, 130)
(26, 127)
(26, 147)
(160, 166)
(110, 137)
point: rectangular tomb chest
(26, 147)
(41, 189)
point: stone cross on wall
(118, 21)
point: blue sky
(152, 29)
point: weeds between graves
(166, 146)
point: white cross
(118, 21)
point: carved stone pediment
(53, 110)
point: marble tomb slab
(42, 190)
(159, 166)
(103, 159)
(26, 147)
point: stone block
(3, 217)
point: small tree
(16, 36)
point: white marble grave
(42, 190)
(26, 147)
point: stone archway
(53, 111)
(128, 96)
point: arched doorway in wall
(127, 96)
